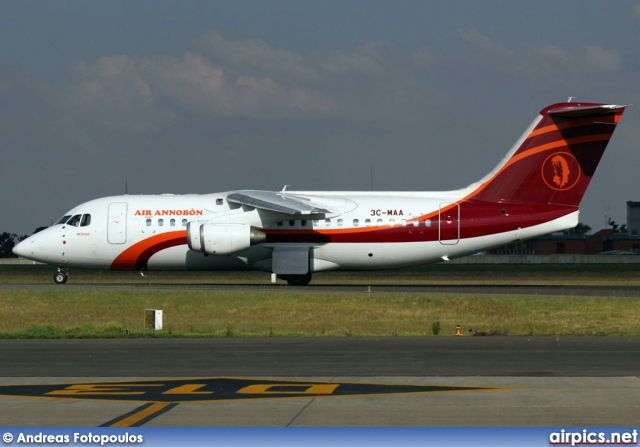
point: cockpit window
(63, 219)
(74, 221)
(86, 220)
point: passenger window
(279, 224)
(86, 220)
(148, 222)
(416, 223)
(160, 222)
(74, 221)
(379, 222)
(292, 223)
(339, 222)
(427, 222)
(184, 222)
(172, 222)
(327, 222)
(403, 222)
(367, 222)
(304, 223)
(356, 222)
(392, 222)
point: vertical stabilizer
(553, 163)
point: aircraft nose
(30, 248)
(21, 249)
(38, 247)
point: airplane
(536, 189)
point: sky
(206, 96)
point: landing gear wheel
(60, 278)
(297, 280)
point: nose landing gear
(60, 277)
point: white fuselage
(152, 231)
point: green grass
(94, 312)
(103, 313)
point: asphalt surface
(520, 356)
(452, 381)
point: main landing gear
(297, 280)
(61, 276)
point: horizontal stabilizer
(590, 110)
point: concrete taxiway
(391, 381)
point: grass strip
(64, 313)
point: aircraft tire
(297, 280)
(60, 278)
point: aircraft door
(449, 223)
(117, 223)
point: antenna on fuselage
(126, 188)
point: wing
(279, 202)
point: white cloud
(480, 41)
(255, 54)
(247, 78)
(554, 54)
(549, 63)
(368, 60)
(601, 59)
(192, 84)
(111, 79)
(342, 63)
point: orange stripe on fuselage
(137, 256)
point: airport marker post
(153, 319)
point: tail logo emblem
(561, 171)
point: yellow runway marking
(141, 415)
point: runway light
(458, 333)
(368, 289)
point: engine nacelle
(222, 239)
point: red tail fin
(555, 162)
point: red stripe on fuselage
(476, 220)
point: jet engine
(222, 239)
